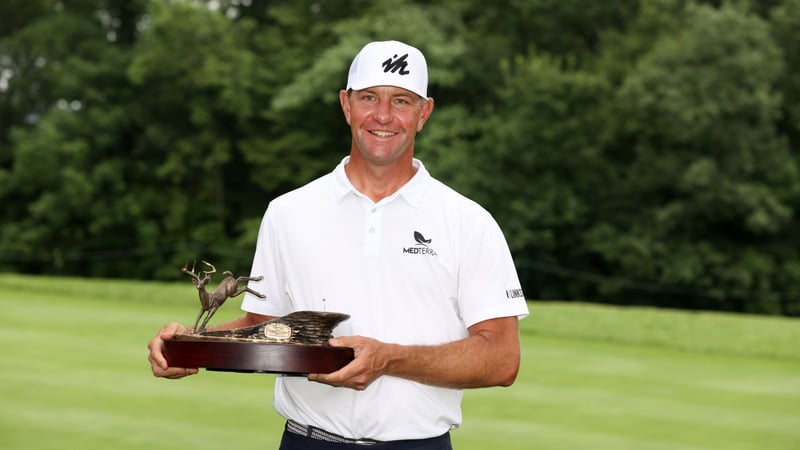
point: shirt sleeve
(489, 286)
(267, 264)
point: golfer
(425, 274)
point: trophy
(295, 344)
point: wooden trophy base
(243, 355)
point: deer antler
(185, 269)
(212, 271)
(196, 279)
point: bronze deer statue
(211, 301)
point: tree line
(634, 152)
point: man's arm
(489, 356)
(158, 363)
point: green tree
(61, 184)
(634, 152)
(785, 21)
(541, 165)
(710, 183)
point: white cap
(389, 63)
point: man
(425, 274)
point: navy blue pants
(292, 441)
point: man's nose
(383, 112)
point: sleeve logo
(514, 293)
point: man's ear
(427, 109)
(344, 100)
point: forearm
(490, 356)
(246, 320)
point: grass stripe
(699, 332)
(73, 374)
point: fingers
(360, 372)
(338, 378)
(157, 360)
(344, 377)
(171, 329)
(158, 363)
(324, 378)
(174, 373)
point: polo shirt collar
(412, 191)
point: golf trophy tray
(295, 344)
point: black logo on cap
(398, 65)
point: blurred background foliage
(634, 152)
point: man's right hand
(158, 363)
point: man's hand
(489, 356)
(368, 364)
(157, 361)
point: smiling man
(425, 274)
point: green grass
(73, 374)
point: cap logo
(397, 65)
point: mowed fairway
(74, 375)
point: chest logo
(421, 247)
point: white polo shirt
(418, 267)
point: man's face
(384, 121)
